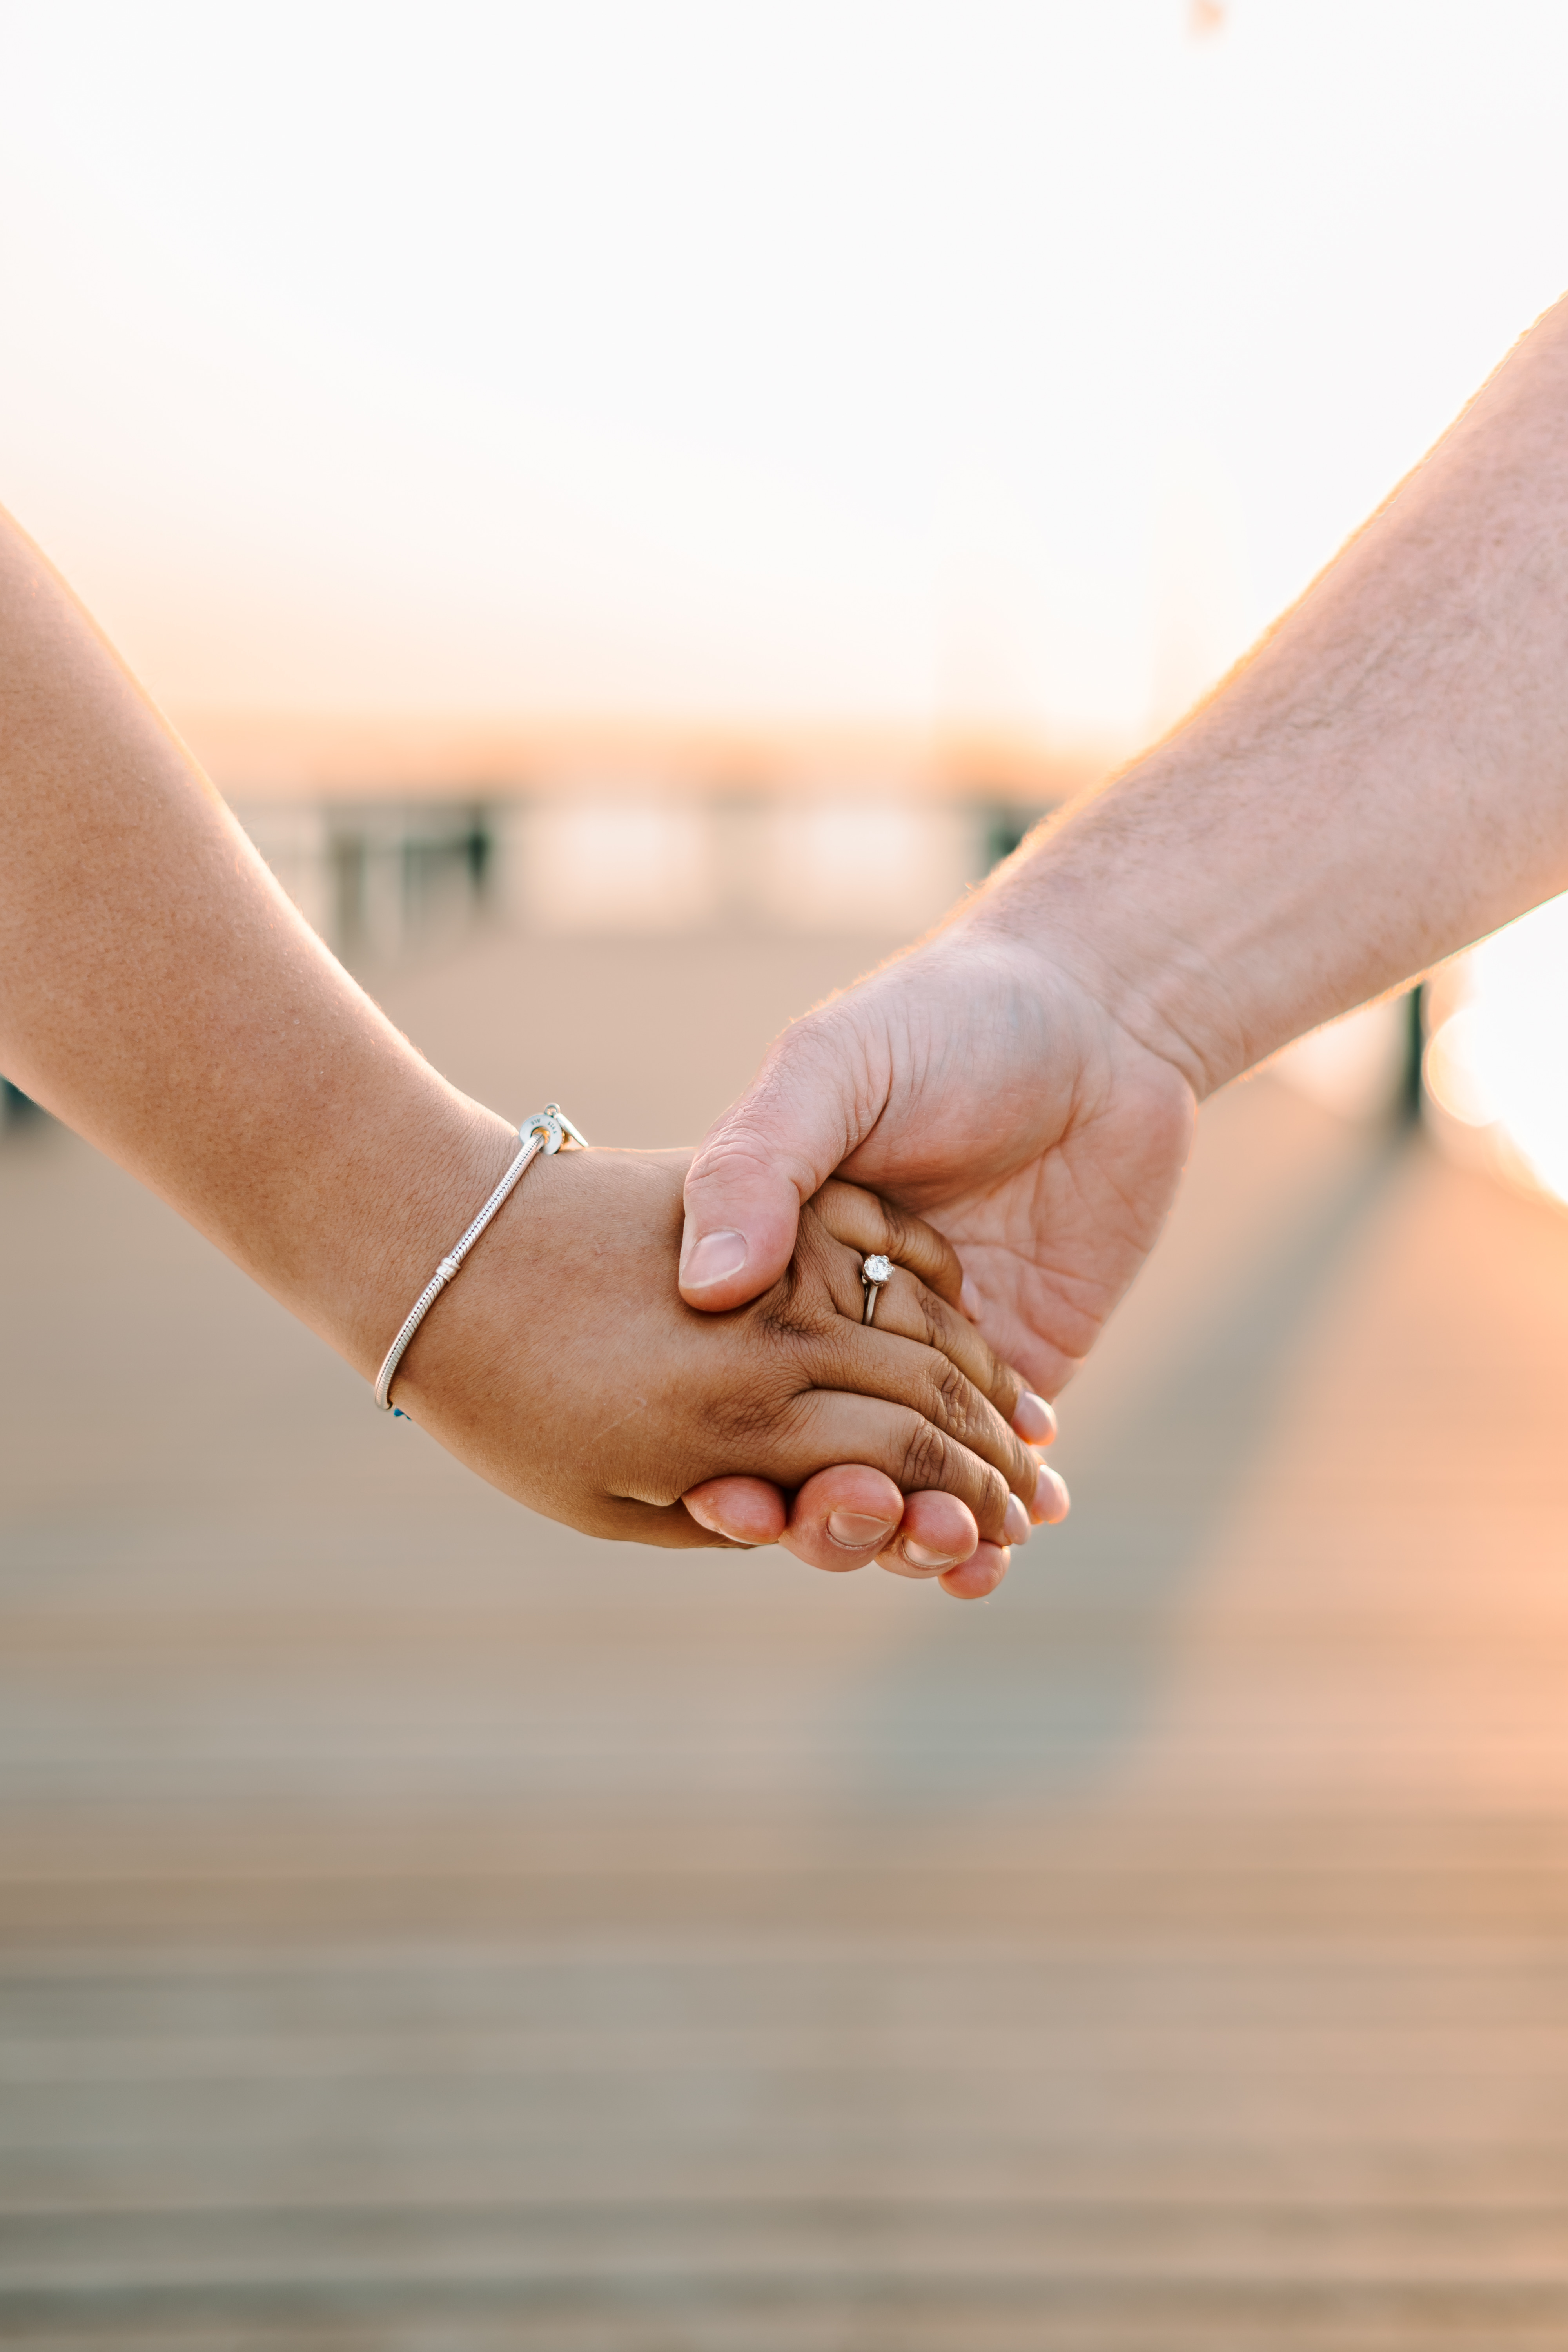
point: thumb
(805, 1112)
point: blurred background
(639, 508)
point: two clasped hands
(673, 1351)
(1382, 782)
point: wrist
(1103, 900)
(426, 1175)
(355, 1199)
(1151, 987)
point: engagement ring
(875, 1271)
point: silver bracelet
(546, 1131)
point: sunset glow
(1496, 1063)
(901, 363)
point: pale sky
(1010, 362)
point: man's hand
(980, 1084)
(1377, 784)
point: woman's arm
(160, 994)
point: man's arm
(1384, 780)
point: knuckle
(963, 1415)
(914, 1238)
(788, 1320)
(955, 1405)
(933, 1317)
(960, 1340)
(837, 1202)
(944, 1329)
(952, 1400)
(1000, 1381)
(950, 1272)
(730, 1153)
(757, 1415)
(989, 1501)
(927, 1463)
(797, 1311)
(800, 1304)
(906, 1235)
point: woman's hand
(565, 1368)
(852, 1513)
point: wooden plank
(421, 1930)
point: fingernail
(712, 1259)
(1052, 1502)
(1016, 1521)
(968, 1299)
(1034, 1420)
(919, 1557)
(705, 1519)
(856, 1531)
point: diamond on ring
(877, 1269)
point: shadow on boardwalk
(1052, 1708)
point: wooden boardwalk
(424, 1931)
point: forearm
(161, 996)
(1384, 780)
